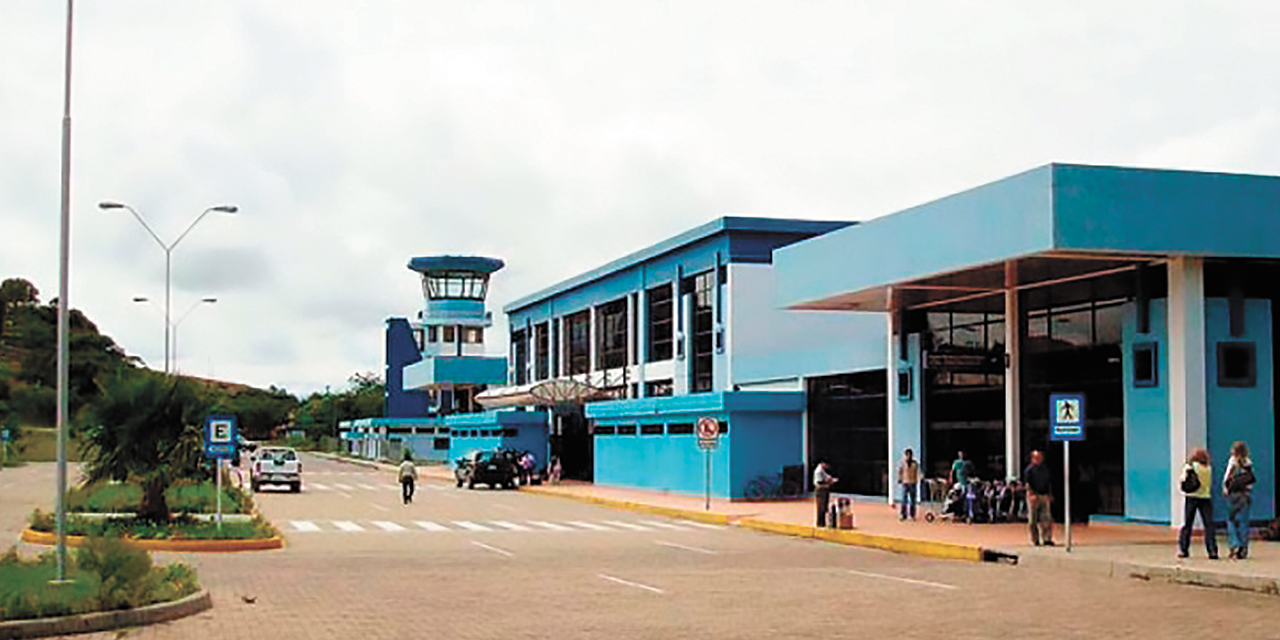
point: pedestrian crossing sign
(1066, 416)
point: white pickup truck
(276, 465)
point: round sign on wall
(707, 428)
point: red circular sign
(708, 428)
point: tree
(146, 429)
(14, 292)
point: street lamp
(168, 254)
(178, 322)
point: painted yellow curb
(639, 507)
(180, 546)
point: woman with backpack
(1237, 486)
(1196, 482)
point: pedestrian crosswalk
(493, 526)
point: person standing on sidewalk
(1039, 487)
(908, 479)
(1237, 486)
(408, 476)
(822, 481)
(961, 471)
(1196, 482)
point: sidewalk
(1119, 550)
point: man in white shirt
(822, 481)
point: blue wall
(1146, 421)
(402, 350)
(531, 434)
(762, 443)
(1242, 413)
(661, 462)
(908, 418)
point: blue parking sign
(1066, 416)
(220, 433)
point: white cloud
(556, 135)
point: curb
(177, 546)
(1267, 585)
(107, 620)
(907, 546)
(355, 461)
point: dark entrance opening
(964, 393)
(848, 427)
(570, 440)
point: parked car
(276, 465)
(492, 468)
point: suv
(493, 468)
(276, 465)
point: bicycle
(772, 486)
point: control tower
(436, 364)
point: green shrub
(41, 521)
(123, 572)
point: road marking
(511, 525)
(627, 525)
(674, 545)
(304, 525)
(493, 549)
(369, 487)
(317, 486)
(379, 507)
(471, 526)
(923, 583)
(343, 487)
(430, 526)
(588, 525)
(344, 494)
(631, 584)
(347, 525)
(387, 526)
(664, 525)
(550, 525)
(702, 525)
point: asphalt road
(495, 564)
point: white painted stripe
(631, 584)
(379, 507)
(430, 526)
(701, 525)
(471, 526)
(343, 487)
(627, 525)
(347, 525)
(923, 583)
(674, 545)
(550, 526)
(369, 487)
(588, 525)
(493, 549)
(511, 525)
(317, 486)
(344, 494)
(663, 525)
(304, 525)
(387, 526)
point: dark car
(493, 468)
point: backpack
(1241, 479)
(1191, 481)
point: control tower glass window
(455, 285)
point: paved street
(483, 564)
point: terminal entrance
(848, 427)
(571, 441)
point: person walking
(1039, 489)
(961, 470)
(908, 479)
(408, 476)
(553, 475)
(1237, 486)
(822, 482)
(1196, 482)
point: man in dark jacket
(1039, 494)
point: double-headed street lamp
(168, 255)
(177, 323)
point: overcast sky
(555, 135)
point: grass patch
(185, 496)
(41, 445)
(105, 575)
(180, 528)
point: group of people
(1197, 485)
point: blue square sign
(1066, 416)
(220, 436)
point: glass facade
(455, 285)
(660, 315)
(520, 356)
(848, 427)
(541, 352)
(703, 333)
(964, 388)
(577, 346)
(611, 334)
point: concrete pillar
(642, 339)
(1012, 374)
(892, 362)
(1187, 367)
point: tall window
(660, 323)
(433, 334)
(541, 352)
(703, 331)
(577, 347)
(450, 334)
(611, 334)
(520, 356)
(473, 335)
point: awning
(545, 393)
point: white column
(631, 342)
(1187, 400)
(1012, 375)
(892, 362)
(642, 336)
(592, 331)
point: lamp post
(64, 282)
(177, 323)
(168, 255)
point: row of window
(1237, 364)
(448, 334)
(485, 433)
(673, 429)
(460, 285)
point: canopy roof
(544, 393)
(478, 264)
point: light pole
(168, 255)
(177, 323)
(64, 282)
